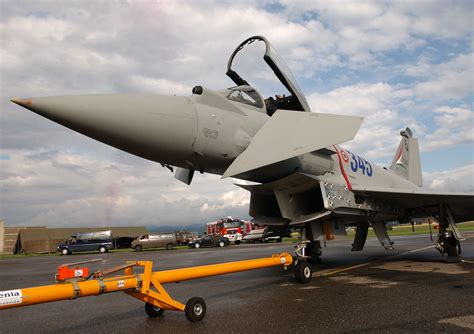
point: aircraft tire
(195, 309)
(453, 247)
(153, 311)
(314, 260)
(303, 272)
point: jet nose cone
(22, 102)
(158, 128)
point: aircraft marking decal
(362, 164)
(342, 166)
(344, 155)
(399, 155)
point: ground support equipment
(146, 286)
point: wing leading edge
(288, 134)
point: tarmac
(408, 289)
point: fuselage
(233, 130)
(204, 132)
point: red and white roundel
(344, 155)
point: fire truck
(231, 228)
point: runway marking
(376, 261)
(372, 282)
(425, 267)
(466, 321)
(379, 260)
(347, 269)
(309, 288)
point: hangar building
(42, 239)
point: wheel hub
(307, 272)
(197, 309)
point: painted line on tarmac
(377, 261)
(466, 321)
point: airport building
(42, 239)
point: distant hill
(171, 228)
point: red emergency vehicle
(229, 225)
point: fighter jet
(302, 177)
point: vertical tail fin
(406, 162)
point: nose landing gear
(307, 252)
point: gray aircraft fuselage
(202, 132)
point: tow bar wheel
(303, 272)
(195, 309)
(153, 311)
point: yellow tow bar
(147, 287)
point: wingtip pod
(293, 134)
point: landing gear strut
(307, 252)
(303, 272)
(449, 245)
(313, 251)
(448, 241)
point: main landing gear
(448, 241)
(448, 244)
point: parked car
(210, 241)
(234, 237)
(159, 240)
(266, 234)
(87, 241)
(183, 237)
(254, 235)
(272, 236)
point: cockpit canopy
(245, 94)
(296, 101)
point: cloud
(454, 127)
(365, 27)
(234, 198)
(455, 180)
(64, 189)
(162, 86)
(443, 81)
(377, 103)
(387, 109)
(396, 64)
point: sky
(397, 64)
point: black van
(87, 241)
